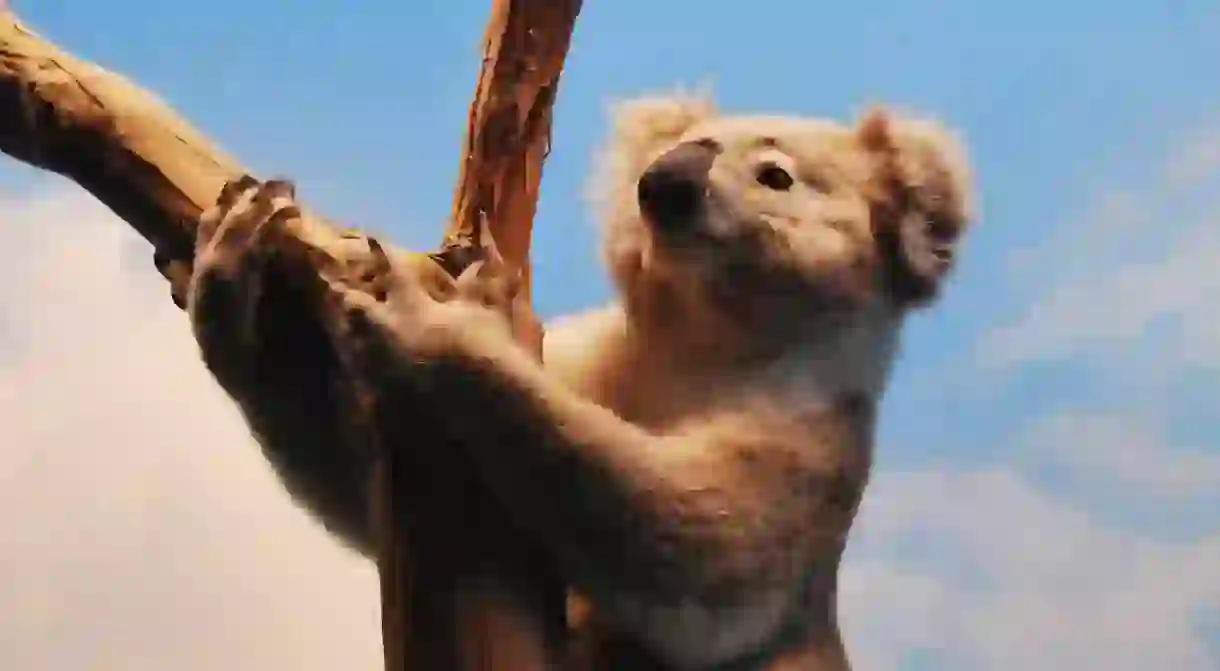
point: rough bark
(460, 592)
(510, 613)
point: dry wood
(119, 142)
(508, 612)
(468, 595)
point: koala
(253, 331)
(255, 301)
(692, 455)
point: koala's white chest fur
(850, 358)
(811, 378)
(692, 636)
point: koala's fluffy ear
(640, 130)
(645, 125)
(921, 188)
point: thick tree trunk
(465, 596)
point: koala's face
(756, 208)
(783, 215)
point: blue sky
(1060, 398)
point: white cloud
(142, 528)
(1026, 563)
(1196, 159)
(1139, 258)
(986, 570)
(1126, 451)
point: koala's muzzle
(672, 190)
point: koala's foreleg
(659, 528)
(263, 342)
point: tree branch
(470, 595)
(509, 608)
(119, 142)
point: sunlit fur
(742, 370)
(693, 453)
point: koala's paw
(492, 291)
(491, 285)
(403, 312)
(234, 242)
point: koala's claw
(492, 284)
(469, 282)
(233, 189)
(235, 240)
(245, 211)
(377, 276)
(211, 218)
(177, 270)
(272, 189)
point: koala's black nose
(672, 190)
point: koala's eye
(774, 177)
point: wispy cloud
(1046, 559)
(1127, 451)
(1140, 258)
(989, 570)
(1093, 539)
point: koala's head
(762, 217)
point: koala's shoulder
(585, 350)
